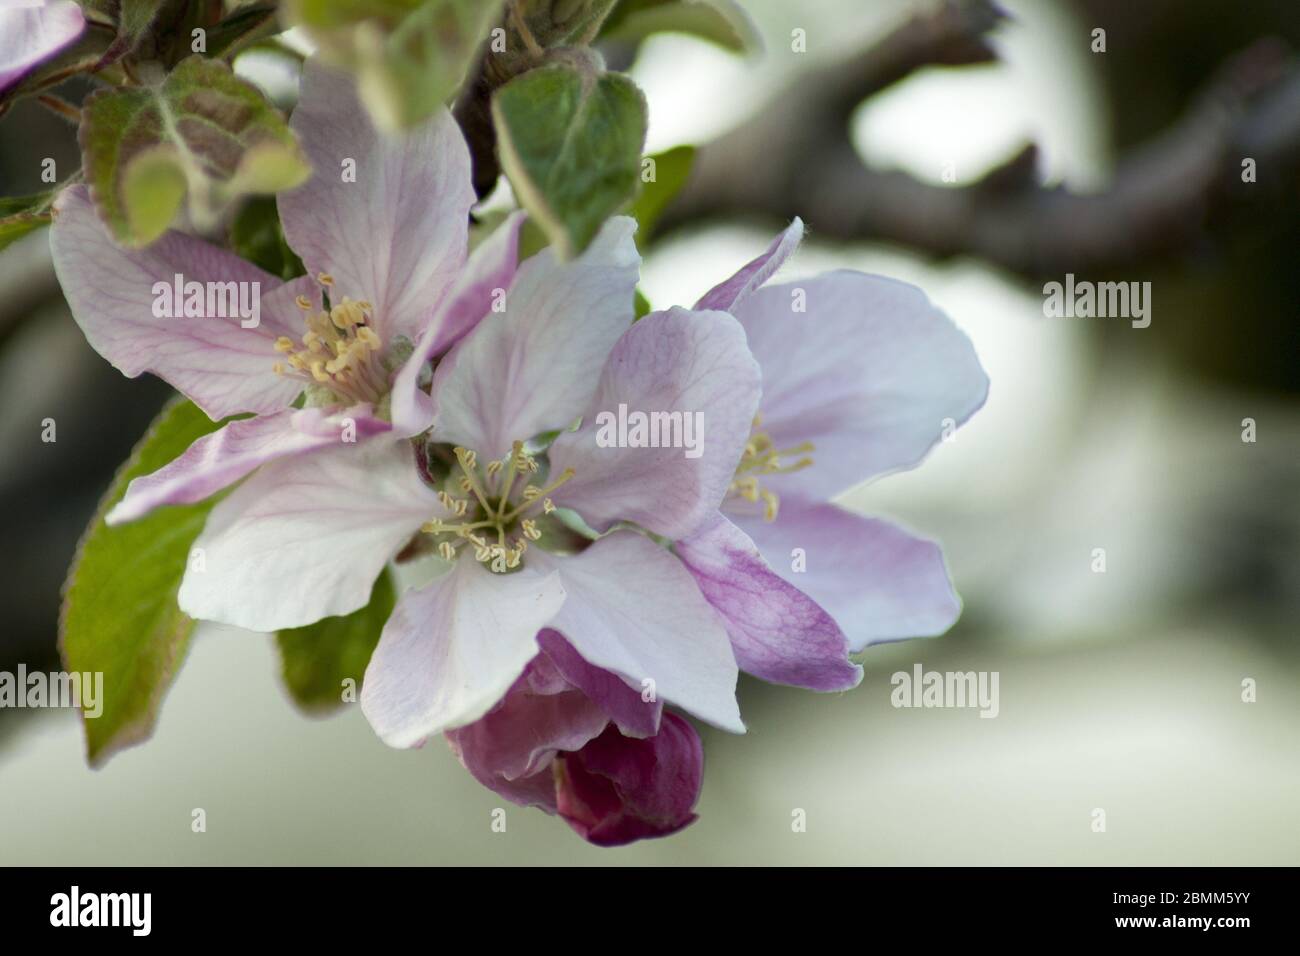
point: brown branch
(795, 158)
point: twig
(796, 158)
(60, 107)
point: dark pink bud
(618, 789)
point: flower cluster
(410, 396)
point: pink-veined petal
(778, 633)
(223, 367)
(395, 233)
(727, 296)
(625, 705)
(879, 582)
(490, 269)
(223, 457)
(453, 648)
(635, 610)
(865, 368)
(692, 363)
(305, 537)
(529, 368)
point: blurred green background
(1119, 691)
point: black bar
(347, 905)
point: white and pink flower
(861, 375)
(409, 396)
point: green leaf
(723, 22)
(245, 26)
(663, 175)
(318, 658)
(409, 56)
(557, 23)
(20, 215)
(256, 235)
(201, 133)
(135, 18)
(570, 142)
(119, 615)
(641, 306)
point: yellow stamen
(339, 349)
(498, 515)
(762, 457)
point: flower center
(339, 351)
(491, 511)
(762, 457)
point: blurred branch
(795, 157)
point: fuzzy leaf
(202, 133)
(319, 657)
(119, 613)
(256, 235)
(671, 168)
(245, 26)
(723, 22)
(20, 215)
(409, 56)
(134, 18)
(570, 141)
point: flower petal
(695, 363)
(222, 367)
(305, 537)
(32, 33)
(617, 698)
(879, 582)
(396, 236)
(635, 610)
(491, 267)
(727, 296)
(541, 715)
(452, 649)
(528, 369)
(870, 373)
(778, 633)
(618, 789)
(221, 458)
